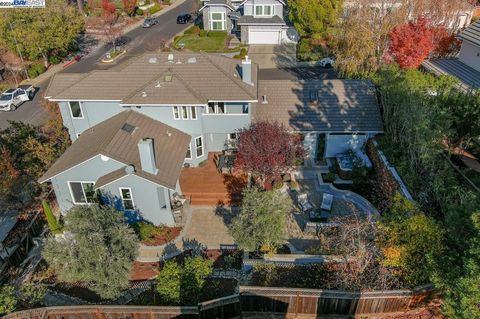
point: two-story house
(256, 21)
(134, 127)
(466, 66)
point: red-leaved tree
(268, 149)
(129, 6)
(411, 43)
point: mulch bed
(144, 271)
(167, 235)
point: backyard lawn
(212, 42)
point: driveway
(270, 56)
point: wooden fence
(254, 302)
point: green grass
(207, 44)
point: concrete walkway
(205, 227)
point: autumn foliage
(268, 149)
(413, 42)
(129, 6)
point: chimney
(247, 71)
(147, 155)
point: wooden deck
(204, 185)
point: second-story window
(176, 113)
(184, 113)
(216, 108)
(193, 112)
(264, 10)
(76, 110)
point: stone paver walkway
(205, 227)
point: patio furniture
(327, 201)
(304, 203)
(225, 164)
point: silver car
(12, 98)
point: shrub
(7, 300)
(202, 33)
(35, 70)
(330, 177)
(216, 34)
(54, 59)
(294, 185)
(146, 231)
(167, 2)
(53, 224)
(155, 8)
(277, 184)
(139, 12)
(193, 30)
(242, 54)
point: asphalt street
(138, 41)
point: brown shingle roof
(62, 81)
(339, 106)
(209, 77)
(108, 138)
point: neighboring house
(256, 21)
(162, 111)
(346, 111)
(465, 67)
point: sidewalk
(54, 69)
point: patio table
(225, 163)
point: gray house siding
(249, 5)
(151, 200)
(96, 112)
(216, 9)
(88, 171)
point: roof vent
(192, 60)
(168, 78)
(152, 60)
(178, 61)
(169, 134)
(144, 94)
(264, 99)
(129, 128)
(130, 169)
(312, 96)
(159, 85)
(170, 58)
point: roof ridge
(155, 78)
(189, 87)
(228, 75)
(82, 76)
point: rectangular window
(245, 109)
(218, 21)
(127, 198)
(221, 108)
(189, 152)
(199, 146)
(76, 110)
(211, 108)
(176, 113)
(264, 10)
(232, 136)
(184, 113)
(193, 112)
(82, 192)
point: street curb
(172, 39)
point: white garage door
(264, 37)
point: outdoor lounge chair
(304, 203)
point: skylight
(128, 128)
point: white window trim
(191, 154)
(81, 110)
(84, 195)
(182, 108)
(131, 194)
(196, 147)
(223, 21)
(230, 138)
(272, 10)
(191, 113)
(215, 107)
(173, 111)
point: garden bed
(151, 235)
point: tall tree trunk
(80, 7)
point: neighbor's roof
(468, 76)
(225, 3)
(8, 219)
(109, 139)
(197, 78)
(341, 106)
(251, 20)
(472, 33)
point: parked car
(149, 22)
(12, 98)
(327, 62)
(184, 18)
